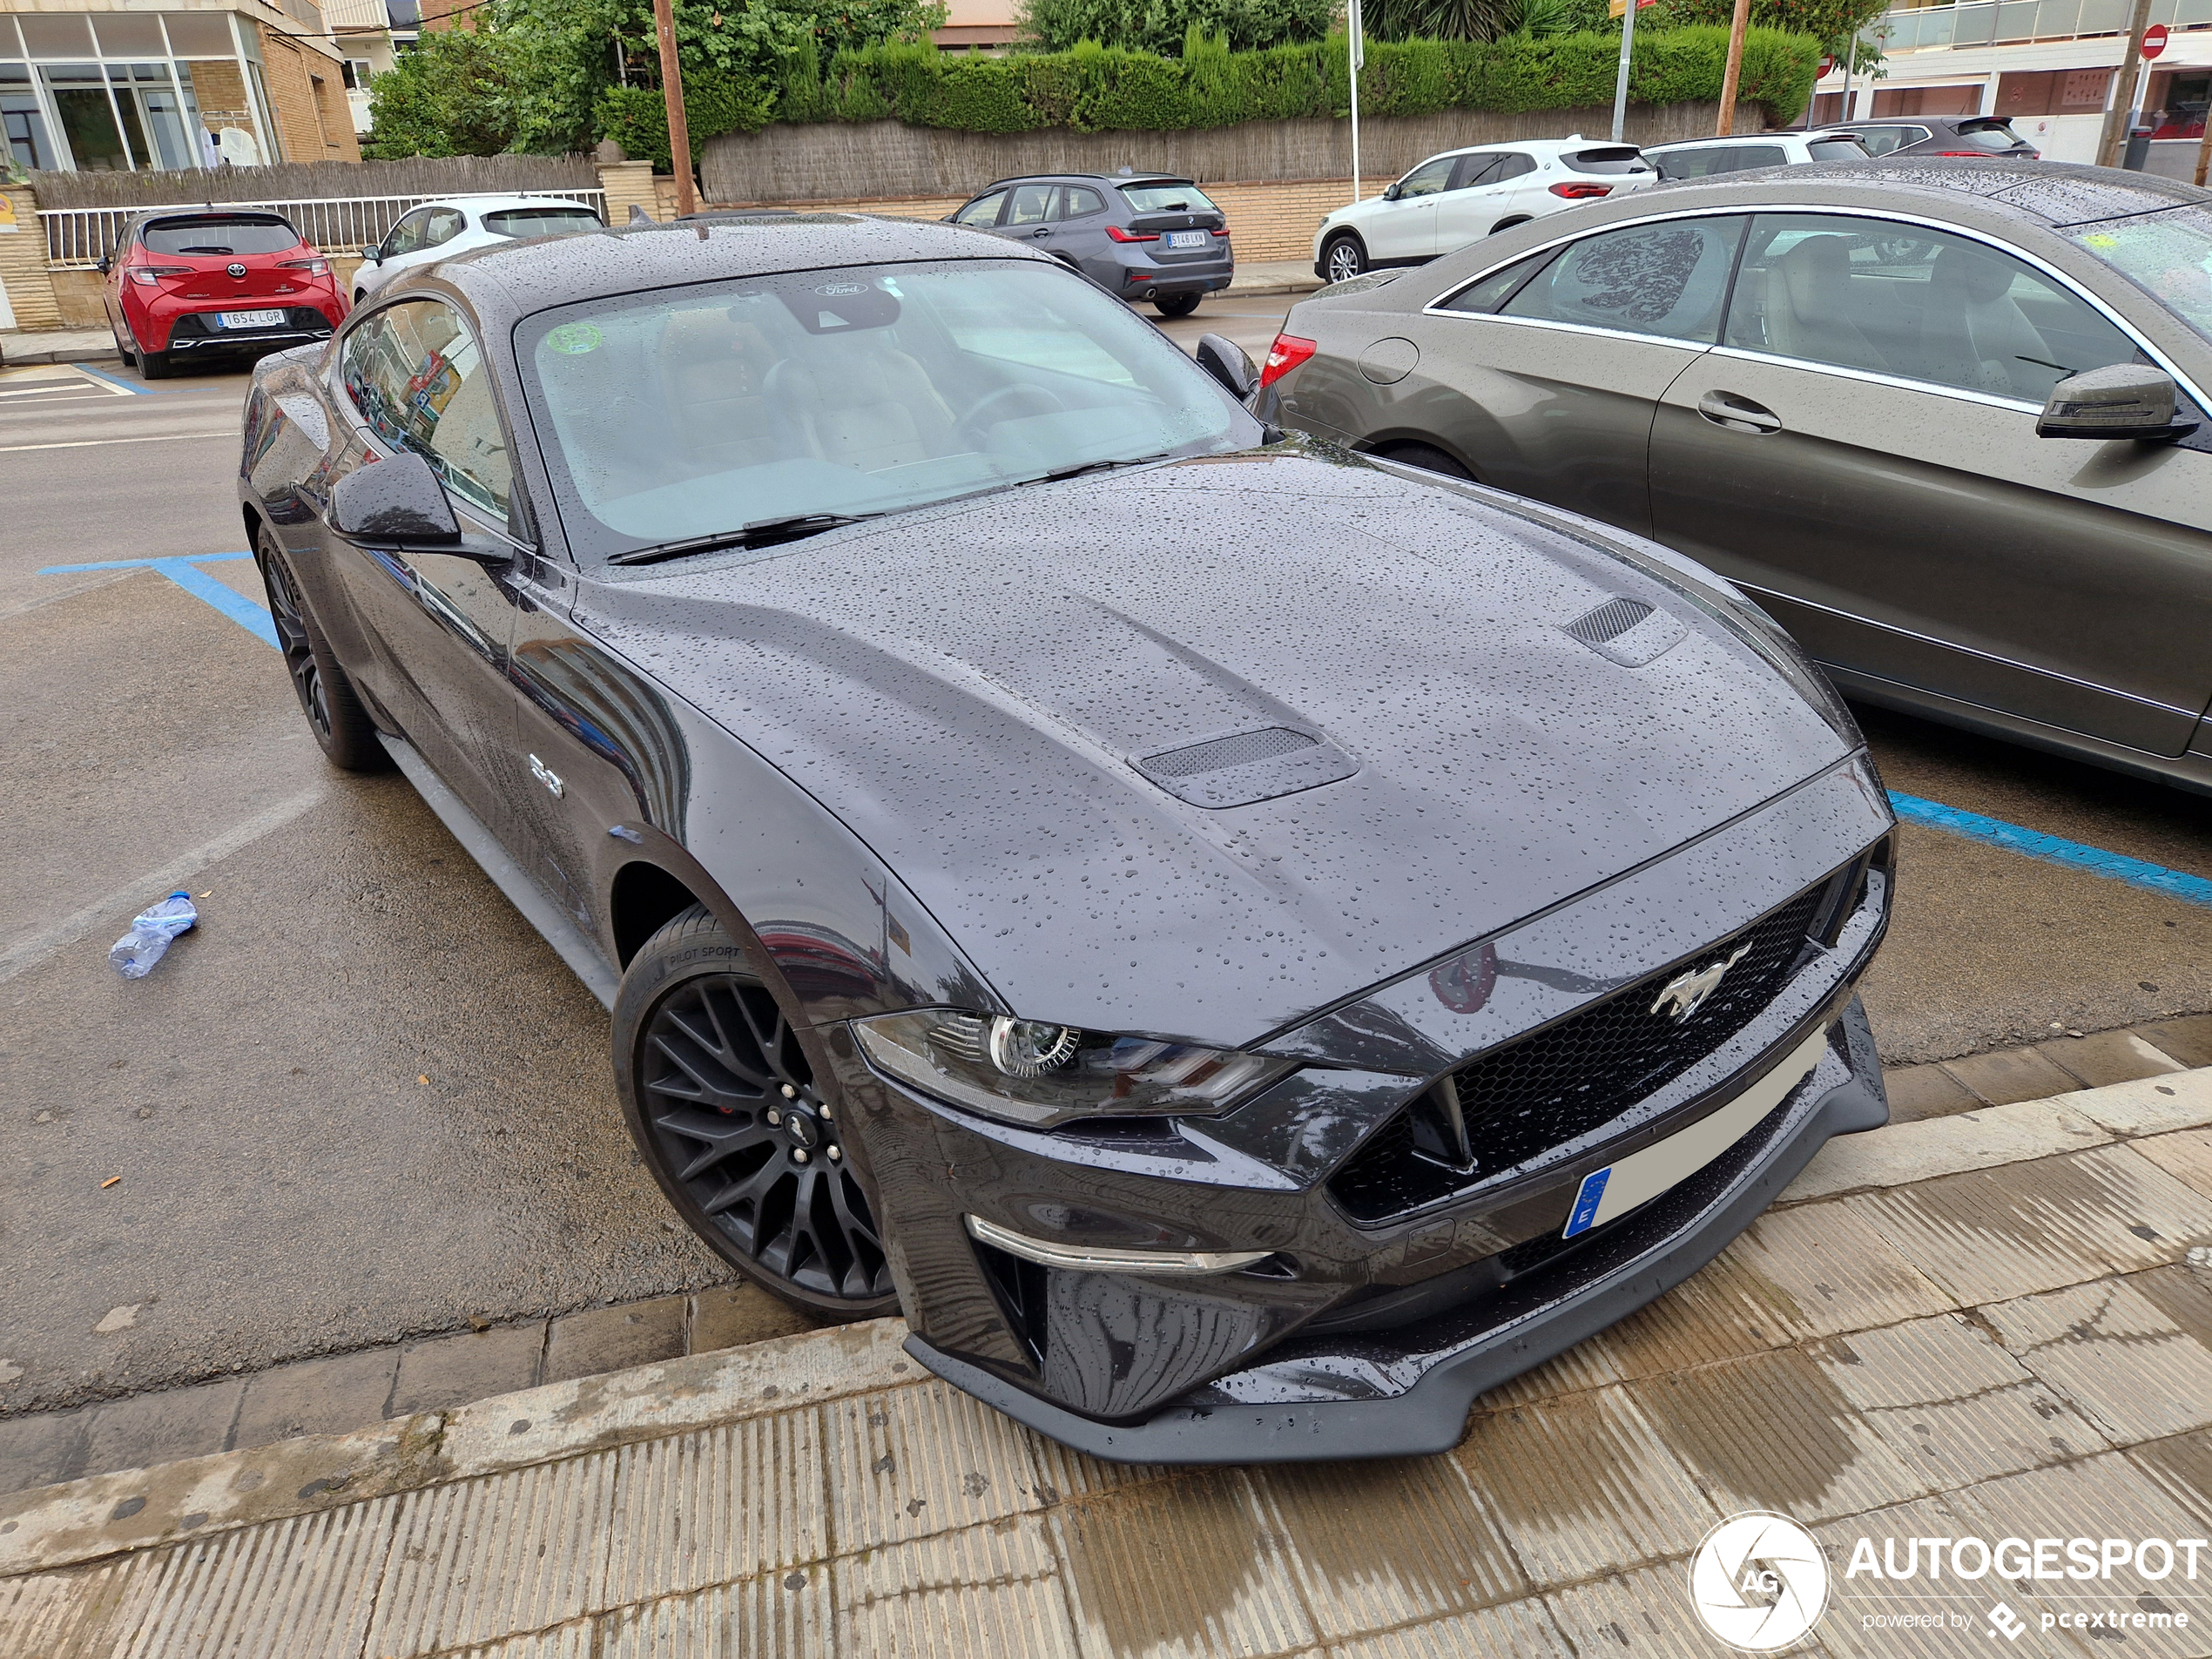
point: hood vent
(1628, 631)
(1247, 766)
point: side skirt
(567, 941)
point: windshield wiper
(760, 532)
(1083, 466)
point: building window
(1928, 100)
(2178, 98)
(2053, 91)
(357, 71)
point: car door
(1861, 451)
(1406, 230)
(1467, 211)
(394, 253)
(437, 623)
(1029, 213)
(1079, 233)
(1544, 376)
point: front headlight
(1028, 1071)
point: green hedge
(1099, 89)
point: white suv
(1703, 158)
(1461, 197)
(438, 230)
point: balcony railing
(76, 237)
(2002, 23)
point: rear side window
(541, 221)
(1760, 155)
(1696, 164)
(1836, 150)
(1665, 280)
(1612, 158)
(1032, 205)
(1478, 170)
(1168, 198)
(228, 233)
(1481, 299)
(1076, 202)
(445, 225)
(1514, 166)
(1880, 141)
(984, 210)
(414, 372)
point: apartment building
(91, 87)
(2051, 65)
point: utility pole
(671, 86)
(1620, 80)
(2204, 149)
(1356, 48)
(2113, 142)
(1733, 72)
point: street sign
(1827, 66)
(2154, 40)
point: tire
(341, 726)
(703, 1054)
(123, 351)
(1428, 457)
(1343, 256)
(154, 365)
(1172, 305)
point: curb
(11, 358)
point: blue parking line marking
(118, 380)
(2116, 867)
(185, 573)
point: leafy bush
(1161, 27)
(1097, 89)
(451, 95)
(714, 103)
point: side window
(414, 372)
(445, 225)
(1760, 155)
(1666, 280)
(1693, 164)
(1514, 166)
(1478, 170)
(1921, 304)
(1032, 205)
(406, 235)
(1879, 141)
(1426, 179)
(983, 210)
(1078, 202)
(1483, 297)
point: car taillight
(1285, 355)
(149, 276)
(1969, 154)
(316, 266)
(1224, 231)
(1581, 193)
(1121, 235)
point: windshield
(701, 410)
(228, 233)
(541, 221)
(2168, 254)
(1168, 198)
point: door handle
(1738, 413)
(1042, 230)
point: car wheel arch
(1391, 446)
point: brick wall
(311, 122)
(22, 266)
(1271, 221)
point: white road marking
(87, 443)
(116, 908)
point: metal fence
(78, 237)
(1998, 23)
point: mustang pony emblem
(1685, 994)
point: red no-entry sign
(1827, 66)
(2154, 40)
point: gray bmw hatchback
(1139, 236)
(1945, 420)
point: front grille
(1558, 1085)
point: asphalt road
(362, 1100)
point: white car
(1703, 158)
(440, 229)
(1463, 195)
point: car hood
(972, 688)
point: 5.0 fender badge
(1685, 994)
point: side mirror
(107, 263)
(397, 504)
(2121, 401)
(372, 254)
(1229, 363)
(1390, 194)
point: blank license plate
(1189, 239)
(1622, 1186)
(249, 319)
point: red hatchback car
(217, 282)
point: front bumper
(1404, 1393)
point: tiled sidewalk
(1996, 1323)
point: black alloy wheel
(342, 728)
(1344, 257)
(725, 1106)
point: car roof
(1118, 181)
(2040, 192)
(509, 280)
(501, 204)
(1735, 139)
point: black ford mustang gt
(1246, 945)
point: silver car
(1946, 421)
